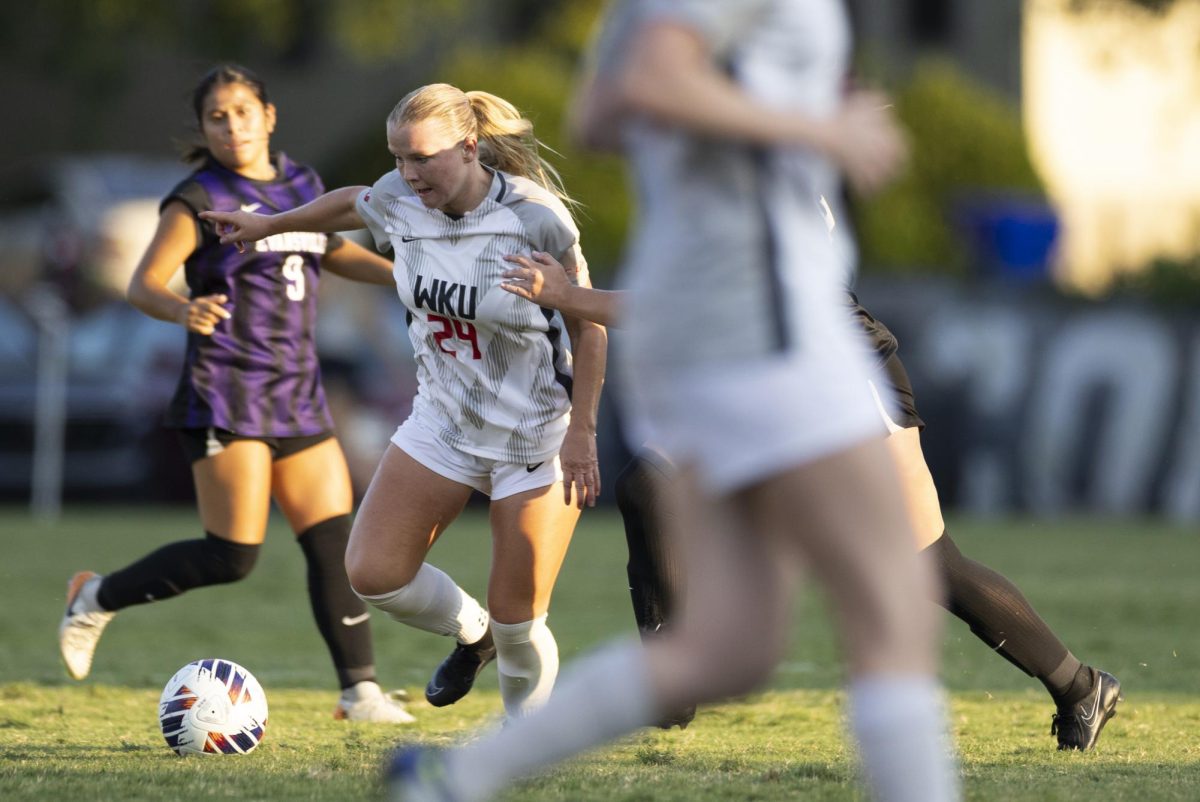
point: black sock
(1081, 685)
(999, 615)
(341, 616)
(175, 568)
(654, 573)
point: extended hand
(581, 468)
(540, 279)
(201, 315)
(239, 227)
(866, 141)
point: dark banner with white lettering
(1048, 405)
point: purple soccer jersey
(257, 374)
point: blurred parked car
(77, 225)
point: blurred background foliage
(967, 139)
(248, 30)
(532, 64)
(966, 144)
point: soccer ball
(212, 707)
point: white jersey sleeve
(372, 206)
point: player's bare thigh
(530, 535)
(406, 508)
(312, 485)
(846, 513)
(920, 493)
(233, 491)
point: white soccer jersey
(731, 258)
(739, 355)
(493, 370)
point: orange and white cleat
(82, 624)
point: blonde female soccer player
(506, 405)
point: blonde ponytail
(507, 143)
(506, 140)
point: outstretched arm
(333, 211)
(670, 77)
(544, 281)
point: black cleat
(455, 676)
(679, 718)
(1078, 726)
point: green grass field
(1124, 596)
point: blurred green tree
(531, 60)
(537, 77)
(966, 140)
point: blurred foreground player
(507, 392)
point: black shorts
(906, 406)
(884, 344)
(201, 443)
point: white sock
(604, 695)
(900, 726)
(434, 603)
(85, 600)
(527, 661)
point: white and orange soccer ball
(213, 707)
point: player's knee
(373, 577)
(722, 667)
(885, 633)
(225, 561)
(398, 597)
(369, 582)
(754, 664)
(368, 574)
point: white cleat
(81, 627)
(366, 701)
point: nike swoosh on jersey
(358, 619)
(532, 468)
(250, 207)
(408, 239)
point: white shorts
(493, 478)
(750, 420)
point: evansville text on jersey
(294, 241)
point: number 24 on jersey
(445, 328)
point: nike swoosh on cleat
(1089, 718)
(358, 619)
(433, 690)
